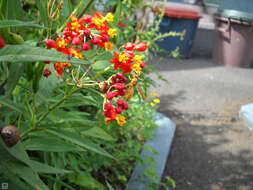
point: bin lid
(234, 14)
(183, 12)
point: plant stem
(41, 36)
(69, 18)
(54, 106)
(50, 109)
(86, 8)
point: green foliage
(64, 141)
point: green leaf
(98, 133)
(15, 10)
(61, 116)
(16, 72)
(79, 140)
(109, 186)
(26, 53)
(81, 99)
(17, 23)
(44, 168)
(27, 174)
(85, 180)
(18, 152)
(42, 6)
(50, 144)
(100, 65)
(8, 103)
(171, 182)
(14, 182)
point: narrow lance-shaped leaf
(50, 144)
(27, 174)
(18, 23)
(8, 103)
(16, 72)
(79, 140)
(44, 168)
(26, 53)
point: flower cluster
(117, 89)
(80, 34)
(128, 60)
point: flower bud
(108, 106)
(125, 106)
(87, 18)
(50, 43)
(107, 113)
(122, 92)
(142, 64)
(95, 40)
(46, 62)
(129, 46)
(119, 75)
(104, 37)
(76, 41)
(120, 102)
(118, 110)
(141, 46)
(121, 25)
(2, 42)
(110, 95)
(86, 46)
(46, 72)
(86, 33)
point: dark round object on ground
(10, 135)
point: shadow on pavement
(204, 158)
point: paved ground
(212, 148)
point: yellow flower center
(155, 94)
(62, 43)
(123, 58)
(99, 22)
(108, 46)
(136, 67)
(75, 25)
(137, 59)
(112, 32)
(121, 120)
(109, 17)
(157, 101)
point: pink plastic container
(233, 42)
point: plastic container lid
(237, 15)
(184, 13)
(179, 10)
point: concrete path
(212, 148)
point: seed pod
(129, 93)
(141, 92)
(10, 135)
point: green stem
(73, 13)
(55, 106)
(41, 35)
(50, 109)
(86, 8)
